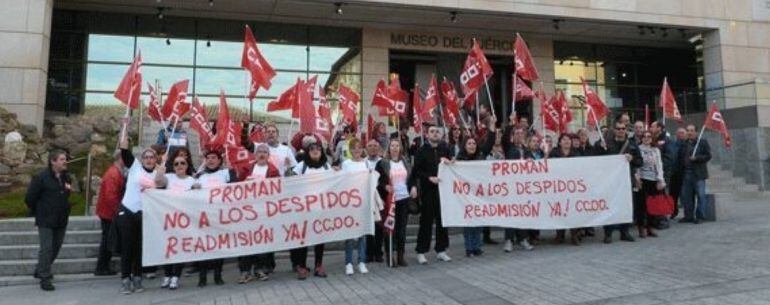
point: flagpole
(173, 130)
(489, 97)
(478, 115)
(443, 123)
(596, 123)
(515, 89)
(698, 141)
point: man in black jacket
(46, 199)
(695, 175)
(425, 169)
(620, 144)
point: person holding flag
(374, 242)
(396, 180)
(693, 157)
(282, 156)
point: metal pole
(88, 184)
(698, 141)
(489, 97)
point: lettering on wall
(413, 40)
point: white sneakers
(166, 281)
(442, 256)
(421, 259)
(174, 284)
(362, 268)
(508, 246)
(349, 269)
(525, 244)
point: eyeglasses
(180, 163)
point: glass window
(110, 48)
(157, 50)
(103, 104)
(332, 59)
(211, 81)
(104, 76)
(283, 57)
(166, 75)
(219, 53)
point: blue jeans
(690, 189)
(472, 237)
(361, 250)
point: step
(31, 237)
(76, 223)
(60, 266)
(20, 252)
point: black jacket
(702, 156)
(426, 164)
(47, 199)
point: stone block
(11, 85)
(13, 16)
(21, 50)
(615, 5)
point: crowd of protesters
(659, 163)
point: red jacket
(110, 193)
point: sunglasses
(180, 163)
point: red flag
(323, 121)
(348, 100)
(451, 104)
(399, 97)
(416, 109)
(525, 67)
(252, 60)
(257, 134)
(390, 99)
(199, 121)
(475, 71)
(551, 117)
(287, 100)
(594, 104)
(223, 122)
(431, 100)
(307, 111)
(233, 134)
(176, 104)
(716, 122)
(562, 108)
(130, 88)
(668, 103)
(154, 109)
(389, 223)
(523, 91)
(241, 161)
(369, 127)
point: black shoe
(202, 279)
(489, 241)
(478, 252)
(626, 237)
(218, 279)
(696, 221)
(608, 239)
(379, 259)
(46, 285)
(686, 220)
(105, 272)
(468, 253)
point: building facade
(67, 56)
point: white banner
(536, 194)
(256, 216)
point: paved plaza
(727, 262)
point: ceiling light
(652, 30)
(665, 33)
(168, 41)
(160, 13)
(338, 8)
(556, 24)
(211, 3)
(453, 17)
(695, 38)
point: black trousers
(50, 240)
(105, 255)
(374, 242)
(399, 231)
(173, 270)
(259, 262)
(640, 209)
(430, 213)
(299, 256)
(130, 231)
(674, 190)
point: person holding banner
(178, 181)
(260, 265)
(355, 163)
(514, 149)
(693, 157)
(584, 148)
(173, 137)
(280, 155)
(470, 152)
(456, 139)
(315, 162)
(396, 177)
(213, 175)
(535, 152)
(620, 144)
(374, 242)
(426, 163)
(652, 181)
(141, 176)
(565, 150)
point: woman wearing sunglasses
(178, 181)
(650, 176)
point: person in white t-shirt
(315, 163)
(356, 163)
(280, 155)
(374, 242)
(395, 178)
(178, 181)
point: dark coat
(426, 163)
(702, 156)
(47, 199)
(616, 148)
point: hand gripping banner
(536, 194)
(256, 216)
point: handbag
(413, 206)
(660, 205)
